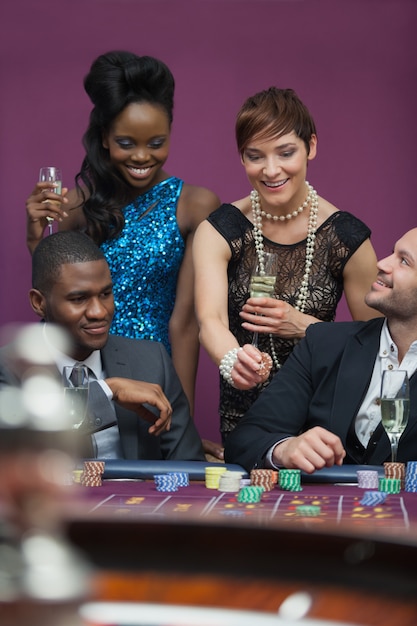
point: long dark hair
(115, 80)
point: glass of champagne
(262, 282)
(51, 175)
(395, 406)
(76, 388)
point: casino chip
(77, 475)
(251, 494)
(265, 365)
(229, 482)
(368, 479)
(212, 475)
(290, 479)
(390, 485)
(233, 513)
(410, 481)
(92, 473)
(395, 470)
(308, 510)
(182, 478)
(166, 482)
(266, 478)
(372, 498)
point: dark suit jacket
(323, 383)
(147, 361)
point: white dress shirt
(106, 443)
(369, 414)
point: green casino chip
(308, 510)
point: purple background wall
(353, 62)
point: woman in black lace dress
(322, 252)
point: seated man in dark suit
(323, 407)
(72, 289)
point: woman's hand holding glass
(262, 282)
(45, 204)
(276, 317)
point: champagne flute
(76, 389)
(262, 282)
(51, 175)
(395, 406)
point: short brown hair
(273, 112)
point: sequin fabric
(336, 240)
(144, 261)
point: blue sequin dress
(144, 261)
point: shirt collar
(386, 344)
(93, 361)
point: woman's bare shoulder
(326, 209)
(194, 205)
(199, 195)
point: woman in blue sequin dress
(143, 218)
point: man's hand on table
(132, 394)
(213, 451)
(310, 451)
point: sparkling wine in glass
(395, 406)
(51, 175)
(76, 388)
(262, 282)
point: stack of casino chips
(77, 475)
(390, 485)
(229, 482)
(212, 475)
(395, 470)
(183, 479)
(308, 510)
(373, 498)
(166, 482)
(250, 494)
(368, 479)
(92, 473)
(410, 483)
(266, 478)
(290, 479)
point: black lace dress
(336, 240)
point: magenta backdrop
(353, 62)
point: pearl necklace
(312, 199)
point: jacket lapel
(116, 364)
(355, 372)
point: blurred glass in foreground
(41, 575)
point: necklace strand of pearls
(258, 213)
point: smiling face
(394, 293)
(277, 169)
(138, 144)
(80, 301)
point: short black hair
(60, 249)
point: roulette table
(199, 552)
(199, 557)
